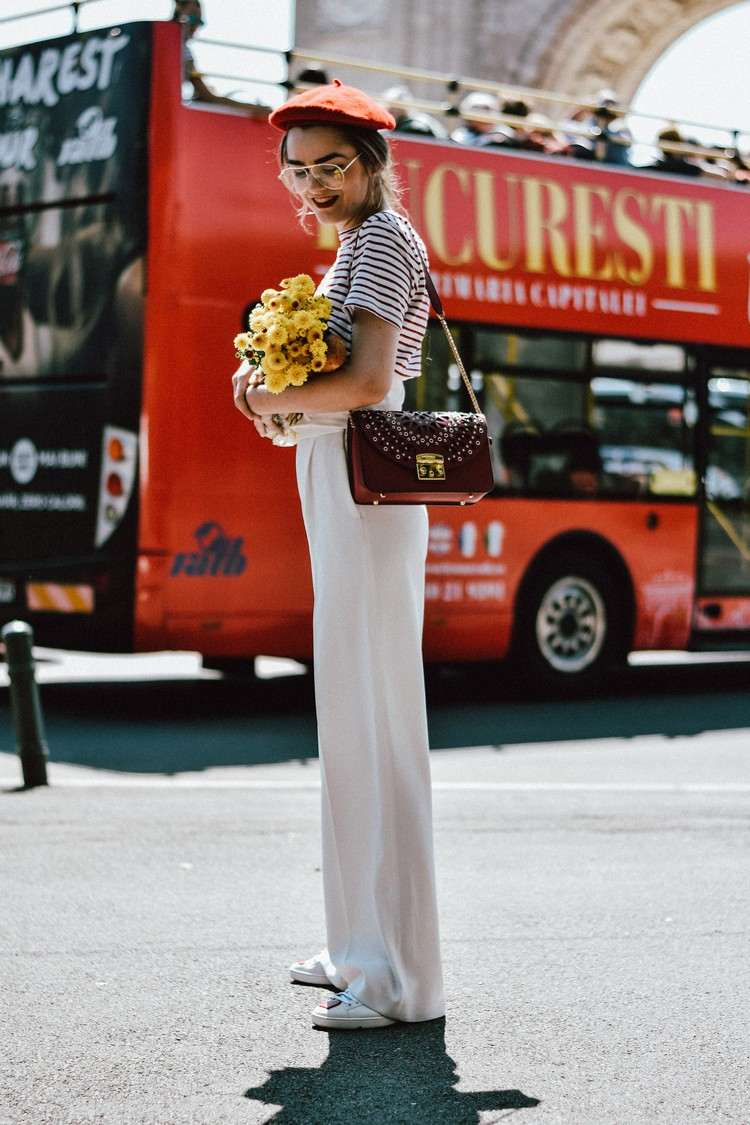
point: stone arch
(615, 43)
(571, 46)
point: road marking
(443, 786)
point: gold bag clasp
(430, 466)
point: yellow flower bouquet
(289, 340)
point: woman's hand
(362, 381)
(249, 394)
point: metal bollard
(24, 698)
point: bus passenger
(409, 120)
(472, 131)
(579, 145)
(540, 136)
(584, 461)
(609, 139)
(740, 169)
(516, 107)
(189, 15)
(516, 446)
(312, 76)
(673, 162)
(534, 132)
(368, 564)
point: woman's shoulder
(392, 229)
(388, 220)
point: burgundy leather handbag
(420, 456)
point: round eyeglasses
(330, 176)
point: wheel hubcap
(571, 624)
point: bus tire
(570, 628)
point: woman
(382, 947)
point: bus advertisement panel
(73, 198)
(563, 245)
(551, 243)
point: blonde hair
(374, 151)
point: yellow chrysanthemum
(303, 321)
(259, 340)
(273, 363)
(317, 364)
(296, 374)
(318, 349)
(277, 335)
(295, 348)
(276, 381)
(258, 318)
(302, 285)
(314, 333)
(320, 307)
(268, 295)
(242, 342)
(277, 304)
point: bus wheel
(570, 625)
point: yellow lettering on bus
(706, 246)
(413, 183)
(434, 216)
(591, 232)
(545, 208)
(635, 236)
(328, 237)
(486, 212)
(674, 209)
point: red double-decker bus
(603, 313)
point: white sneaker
(344, 1011)
(310, 971)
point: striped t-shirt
(378, 267)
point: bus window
(436, 388)
(728, 476)
(493, 349)
(637, 356)
(645, 432)
(566, 434)
(726, 532)
(485, 350)
(543, 440)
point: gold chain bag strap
(420, 456)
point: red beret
(332, 105)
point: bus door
(723, 605)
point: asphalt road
(593, 863)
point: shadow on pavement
(169, 727)
(491, 708)
(401, 1073)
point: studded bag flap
(420, 456)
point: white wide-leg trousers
(376, 800)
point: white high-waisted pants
(376, 801)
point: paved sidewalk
(595, 908)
